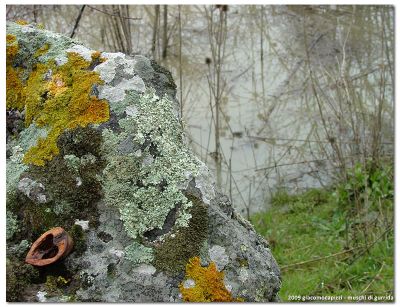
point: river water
(278, 64)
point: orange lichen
(56, 97)
(208, 284)
(56, 86)
(97, 56)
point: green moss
(37, 219)
(318, 230)
(243, 262)
(78, 236)
(111, 271)
(75, 187)
(72, 193)
(176, 250)
(18, 275)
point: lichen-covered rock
(101, 152)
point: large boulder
(95, 145)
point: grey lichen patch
(15, 167)
(125, 105)
(218, 255)
(118, 73)
(82, 51)
(143, 67)
(145, 187)
(34, 190)
(205, 183)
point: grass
(312, 226)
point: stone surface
(119, 177)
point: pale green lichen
(12, 225)
(20, 249)
(30, 136)
(146, 183)
(14, 169)
(72, 162)
(62, 207)
(138, 253)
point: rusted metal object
(51, 246)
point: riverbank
(323, 259)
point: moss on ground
(311, 225)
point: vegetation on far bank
(337, 241)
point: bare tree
(165, 32)
(155, 30)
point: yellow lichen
(21, 22)
(97, 58)
(56, 97)
(15, 94)
(208, 284)
(10, 39)
(42, 50)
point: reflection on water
(303, 91)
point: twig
(78, 19)
(373, 279)
(318, 259)
(180, 61)
(359, 255)
(339, 253)
(113, 15)
(306, 141)
(302, 162)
